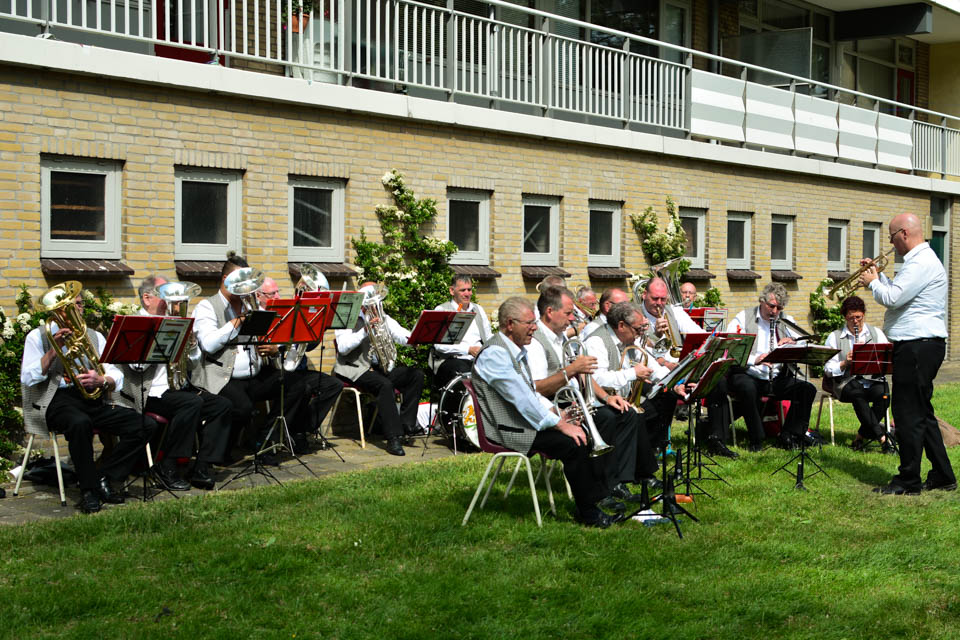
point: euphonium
(311, 280)
(77, 354)
(178, 295)
(846, 287)
(582, 405)
(381, 342)
(244, 283)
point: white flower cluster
(87, 296)
(24, 321)
(397, 275)
(8, 329)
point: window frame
(616, 208)
(787, 264)
(877, 228)
(747, 261)
(699, 214)
(335, 252)
(110, 247)
(944, 228)
(843, 263)
(552, 257)
(482, 255)
(195, 251)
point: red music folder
(872, 359)
(146, 339)
(298, 320)
(441, 327)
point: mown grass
(381, 554)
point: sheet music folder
(146, 339)
(298, 320)
(872, 359)
(441, 327)
(254, 325)
(801, 354)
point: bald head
(906, 232)
(656, 296)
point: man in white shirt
(618, 424)
(450, 360)
(189, 410)
(868, 395)
(359, 365)
(514, 417)
(586, 308)
(763, 379)
(915, 322)
(51, 400)
(655, 298)
(239, 372)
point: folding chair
(350, 388)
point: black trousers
(915, 365)
(622, 432)
(194, 412)
(658, 416)
(266, 385)
(409, 382)
(450, 369)
(748, 391)
(587, 479)
(719, 414)
(75, 417)
(869, 404)
(321, 391)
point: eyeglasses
(775, 306)
(894, 234)
(526, 322)
(638, 330)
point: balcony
(451, 55)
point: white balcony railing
(453, 53)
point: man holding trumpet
(915, 322)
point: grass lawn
(381, 554)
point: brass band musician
(450, 360)
(608, 298)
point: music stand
(810, 355)
(146, 340)
(715, 372)
(440, 327)
(296, 321)
(876, 359)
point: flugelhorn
(178, 295)
(851, 283)
(77, 354)
(635, 397)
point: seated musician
(358, 362)
(189, 410)
(608, 298)
(320, 389)
(868, 395)
(586, 307)
(616, 421)
(239, 372)
(760, 378)
(688, 295)
(51, 401)
(514, 417)
(450, 360)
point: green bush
(660, 246)
(710, 298)
(826, 317)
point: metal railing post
(450, 81)
(546, 65)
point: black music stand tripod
(695, 454)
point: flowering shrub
(660, 246)
(414, 267)
(99, 311)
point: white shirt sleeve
(611, 379)
(537, 359)
(31, 369)
(212, 338)
(832, 367)
(398, 333)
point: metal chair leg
(476, 494)
(23, 465)
(56, 461)
(533, 492)
(492, 481)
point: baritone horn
(851, 283)
(178, 295)
(77, 354)
(311, 280)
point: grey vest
(553, 362)
(845, 344)
(130, 395)
(502, 423)
(36, 398)
(613, 350)
(356, 363)
(215, 369)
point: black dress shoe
(108, 493)
(755, 447)
(90, 501)
(654, 484)
(933, 485)
(201, 478)
(395, 447)
(622, 492)
(168, 478)
(894, 489)
(594, 517)
(717, 448)
(610, 503)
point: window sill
(539, 273)
(838, 276)
(784, 275)
(742, 274)
(198, 269)
(608, 273)
(695, 273)
(84, 267)
(475, 271)
(329, 269)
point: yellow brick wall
(152, 130)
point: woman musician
(868, 395)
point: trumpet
(846, 287)
(672, 341)
(77, 354)
(177, 295)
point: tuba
(178, 295)
(582, 405)
(846, 287)
(310, 280)
(244, 283)
(381, 342)
(77, 355)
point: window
(940, 219)
(80, 205)
(208, 213)
(693, 221)
(871, 239)
(837, 245)
(781, 243)
(541, 222)
(603, 247)
(738, 240)
(468, 225)
(315, 225)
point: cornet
(582, 405)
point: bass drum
(457, 415)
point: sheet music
(169, 341)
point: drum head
(457, 413)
